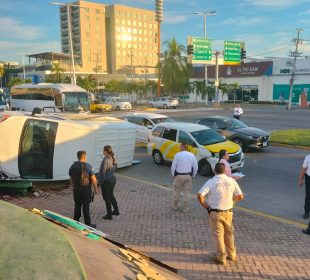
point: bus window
(36, 149)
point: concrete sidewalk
(267, 248)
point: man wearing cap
(221, 193)
(183, 169)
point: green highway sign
(232, 52)
(202, 50)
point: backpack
(80, 176)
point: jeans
(82, 197)
(107, 189)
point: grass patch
(298, 137)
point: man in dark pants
(82, 177)
(305, 173)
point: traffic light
(190, 49)
(243, 53)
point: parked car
(164, 102)
(144, 123)
(237, 131)
(118, 103)
(98, 106)
(203, 142)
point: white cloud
(276, 4)
(306, 12)
(173, 18)
(14, 29)
(244, 21)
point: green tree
(88, 83)
(14, 81)
(233, 88)
(173, 69)
(57, 70)
(1, 74)
(224, 88)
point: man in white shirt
(183, 169)
(305, 173)
(238, 112)
(222, 193)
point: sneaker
(116, 213)
(93, 225)
(306, 216)
(220, 262)
(107, 217)
(232, 258)
(306, 231)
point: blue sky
(266, 26)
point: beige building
(111, 38)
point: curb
(243, 209)
(290, 146)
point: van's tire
(157, 157)
(117, 108)
(204, 168)
(165, 106)
(240, 142)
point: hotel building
(110, 39)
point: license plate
(265, 144)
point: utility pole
(217, 82)
(294, 54)
(159, 18)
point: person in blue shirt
(82, 178)
(107, 181)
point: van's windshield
(207, 137)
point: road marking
(247, 210)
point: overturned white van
(43, 146)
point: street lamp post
(24, 70)
(205, 14)
(68, 5)
(159, 18)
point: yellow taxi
(98, 106)
(205, 143)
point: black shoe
(107, 217)
(116, 213)
(306, 231)
(306, 216)
(92, 225)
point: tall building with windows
(111, 38)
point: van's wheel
(151, 105)
(117, 108)
(204, 168)
(157, 157)
(165, 106)
(240, 142)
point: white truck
(43, 146)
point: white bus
(43, 146)
(62, 97)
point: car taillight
(4, 117)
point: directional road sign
(232, 52)
(202, 50)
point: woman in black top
(107, 181)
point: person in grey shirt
(107, 181)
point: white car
(118, 103)
(164, 102)
(144, 123)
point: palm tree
(224, 89)
(57, 70)
(17, 81)
(233, 87)
(88, 83)
(1, 75)
(174, 70)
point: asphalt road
(270, 184)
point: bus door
(36, 149)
